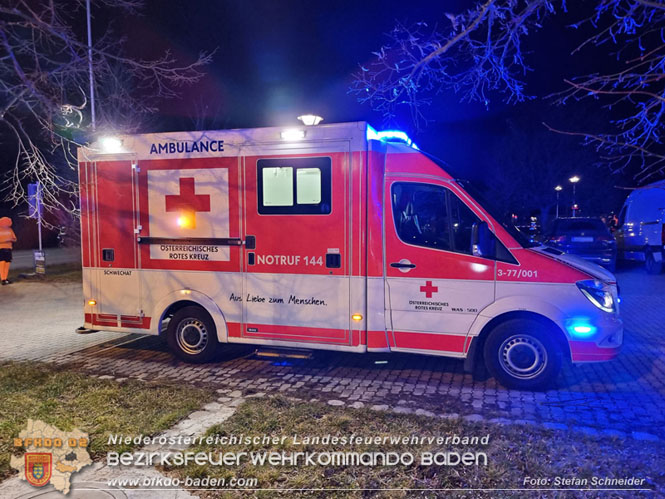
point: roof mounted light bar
(390, 136)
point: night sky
(275, 60)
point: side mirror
(482, 240)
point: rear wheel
(521, 353)
(652, 265)
(192, 336)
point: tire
(650, 263)
(192, 336)
(522, 354)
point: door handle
(403, 265)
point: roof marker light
(293, 134)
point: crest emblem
(38, 468)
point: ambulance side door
(297, 252)
(435, 283)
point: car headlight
(598, 293)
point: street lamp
(573, 180)
(90, 74)
(558, 190)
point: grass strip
(514, 452)
(70, 399)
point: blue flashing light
(581, 329)
(394, 134)
(372, 134)
(390, 136)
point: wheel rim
(191, 336)
(523, 356)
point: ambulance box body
(327, 237)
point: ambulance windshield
(501, 216)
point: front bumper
(605, 344)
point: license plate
(582, 239)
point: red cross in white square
(188, 202)
(428, 289)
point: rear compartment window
(295, 186)
(309, 186)
(278, 186)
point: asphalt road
(38, 319)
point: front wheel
(520, 353)
(192, 336)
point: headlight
(598, 293)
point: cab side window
(462, 220)
(297, 186)
(421, 215)
(431, 216)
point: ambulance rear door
(109, 219)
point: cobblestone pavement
(623, 397)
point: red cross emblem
(428, 289)
(188, 202)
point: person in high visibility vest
(7, 238)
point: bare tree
(634, 33)
(479, 53)
(43, 107)
(522, 166)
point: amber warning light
(185, 222)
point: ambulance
(335, 237)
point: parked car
(588, 238)
(640, 232)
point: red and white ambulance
(332, 237)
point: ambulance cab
(335, 237)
